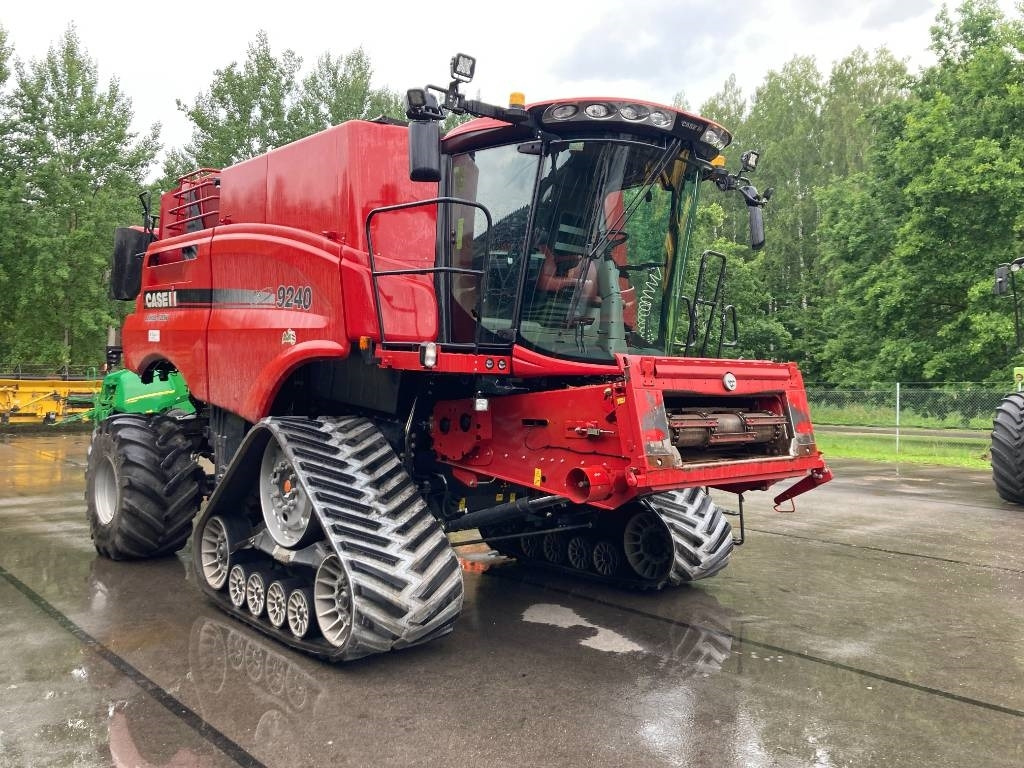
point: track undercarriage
(662, 540)
(337, 555)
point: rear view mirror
(756, 227)
(424, 150)
(130, 246)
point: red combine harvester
(389, 336)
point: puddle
(559, 616)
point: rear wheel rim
(332, 599)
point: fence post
(897, 418)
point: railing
(437, 269)
(200, 198)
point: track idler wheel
(647, 543)
(220, 536)
(332, 600)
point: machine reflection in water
(230, 664)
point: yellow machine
(46, 400)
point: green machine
(124, 392)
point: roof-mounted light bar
(601, 110)
(607, 110)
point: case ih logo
(160, 299)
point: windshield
(583, 246)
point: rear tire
(143, 487)
(1008, 448)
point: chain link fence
(911, 416)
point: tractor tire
(142, 487)
(1008, 448)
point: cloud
(662, 44)
(882, 14)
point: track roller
(277, 600)
(256, 591)
(300, 611)
(606, 559)
(580, 552)
(237, 578)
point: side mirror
(424, 150)
(130, 246)
(756, 227)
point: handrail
(374, 273)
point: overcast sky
(644, 49)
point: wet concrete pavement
(881, 624)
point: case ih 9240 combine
(389, 337)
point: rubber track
(406, 581)
(1008, 448)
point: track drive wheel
(287, 509)
(1008, 448)
(142, 486)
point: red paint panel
(251, 328)
(620, 430)
(243, 192)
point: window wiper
(609, 238)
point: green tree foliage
(809, 131)
(9, 190)
(939, 207)
(71, 169)
(253, 107)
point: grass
(970, 453)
